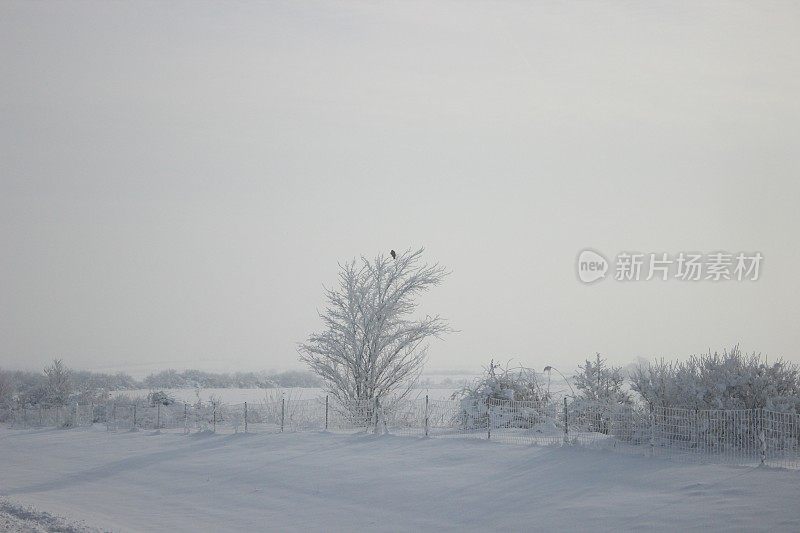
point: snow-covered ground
(20, 518)
(235, 396)
(150, 481)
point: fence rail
(744, 437)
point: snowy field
(151, 481)
(235, 396)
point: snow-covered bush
(727, 380)
(58, 385)
(205, 414)
(601, 389)
(600, 392)
(599, 382)
(160, 397)
(509, 383)
(6, 390)
(500, 383)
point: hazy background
(180, 179)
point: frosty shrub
(122, 398)
(599, 382)
(501, 383)
(160, 397)
(600, 392)
(270, 407)
(58, 385)
(727, 380)
(204, 413)
(6, 389)
(504, 383)
(6, 396)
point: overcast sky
(179, 180)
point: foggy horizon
(180, 180)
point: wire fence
(743, 437)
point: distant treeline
(59, 385)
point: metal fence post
(283, 412)
(426, 415)
(566, 422)
(41, 418)
(488, 421)
(326, 412)
(158, 415)
(245, 417)
(185, 417)
(134, 415)
(215, 415)
(652, 432)
(762, 437)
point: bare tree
(371, 346)
(58, 386)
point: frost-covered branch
(370, 346)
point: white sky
(178, 180)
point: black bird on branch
(393, 254)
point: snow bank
(327, 482)
(28, 520)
